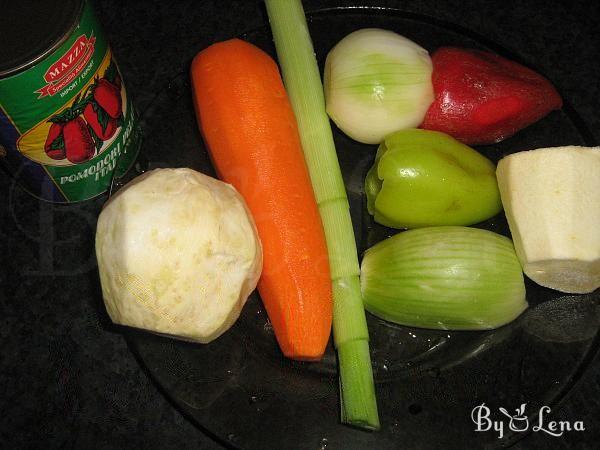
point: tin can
(65, 117)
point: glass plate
(241, 390)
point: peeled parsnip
(551, 197)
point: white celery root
(178, 254)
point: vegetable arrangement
(278, 153)
(423, 179)
(378, 82)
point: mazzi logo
(60, 74)
(519, 422)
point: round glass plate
(244, 393)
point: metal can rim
(50, 49)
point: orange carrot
(250, 130)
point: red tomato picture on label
(79, 132)
(79, 144)
(103, 125)
(108, 97)
(55, 143)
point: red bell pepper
(482, 98)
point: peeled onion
(449, 277)
(377, 82)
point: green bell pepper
(426, 178)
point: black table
(68, 379)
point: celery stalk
(303, 83)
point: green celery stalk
(303, 83)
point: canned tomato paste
(65, 118)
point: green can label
(66, 124)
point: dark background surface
(68, 379)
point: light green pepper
(426, 178)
